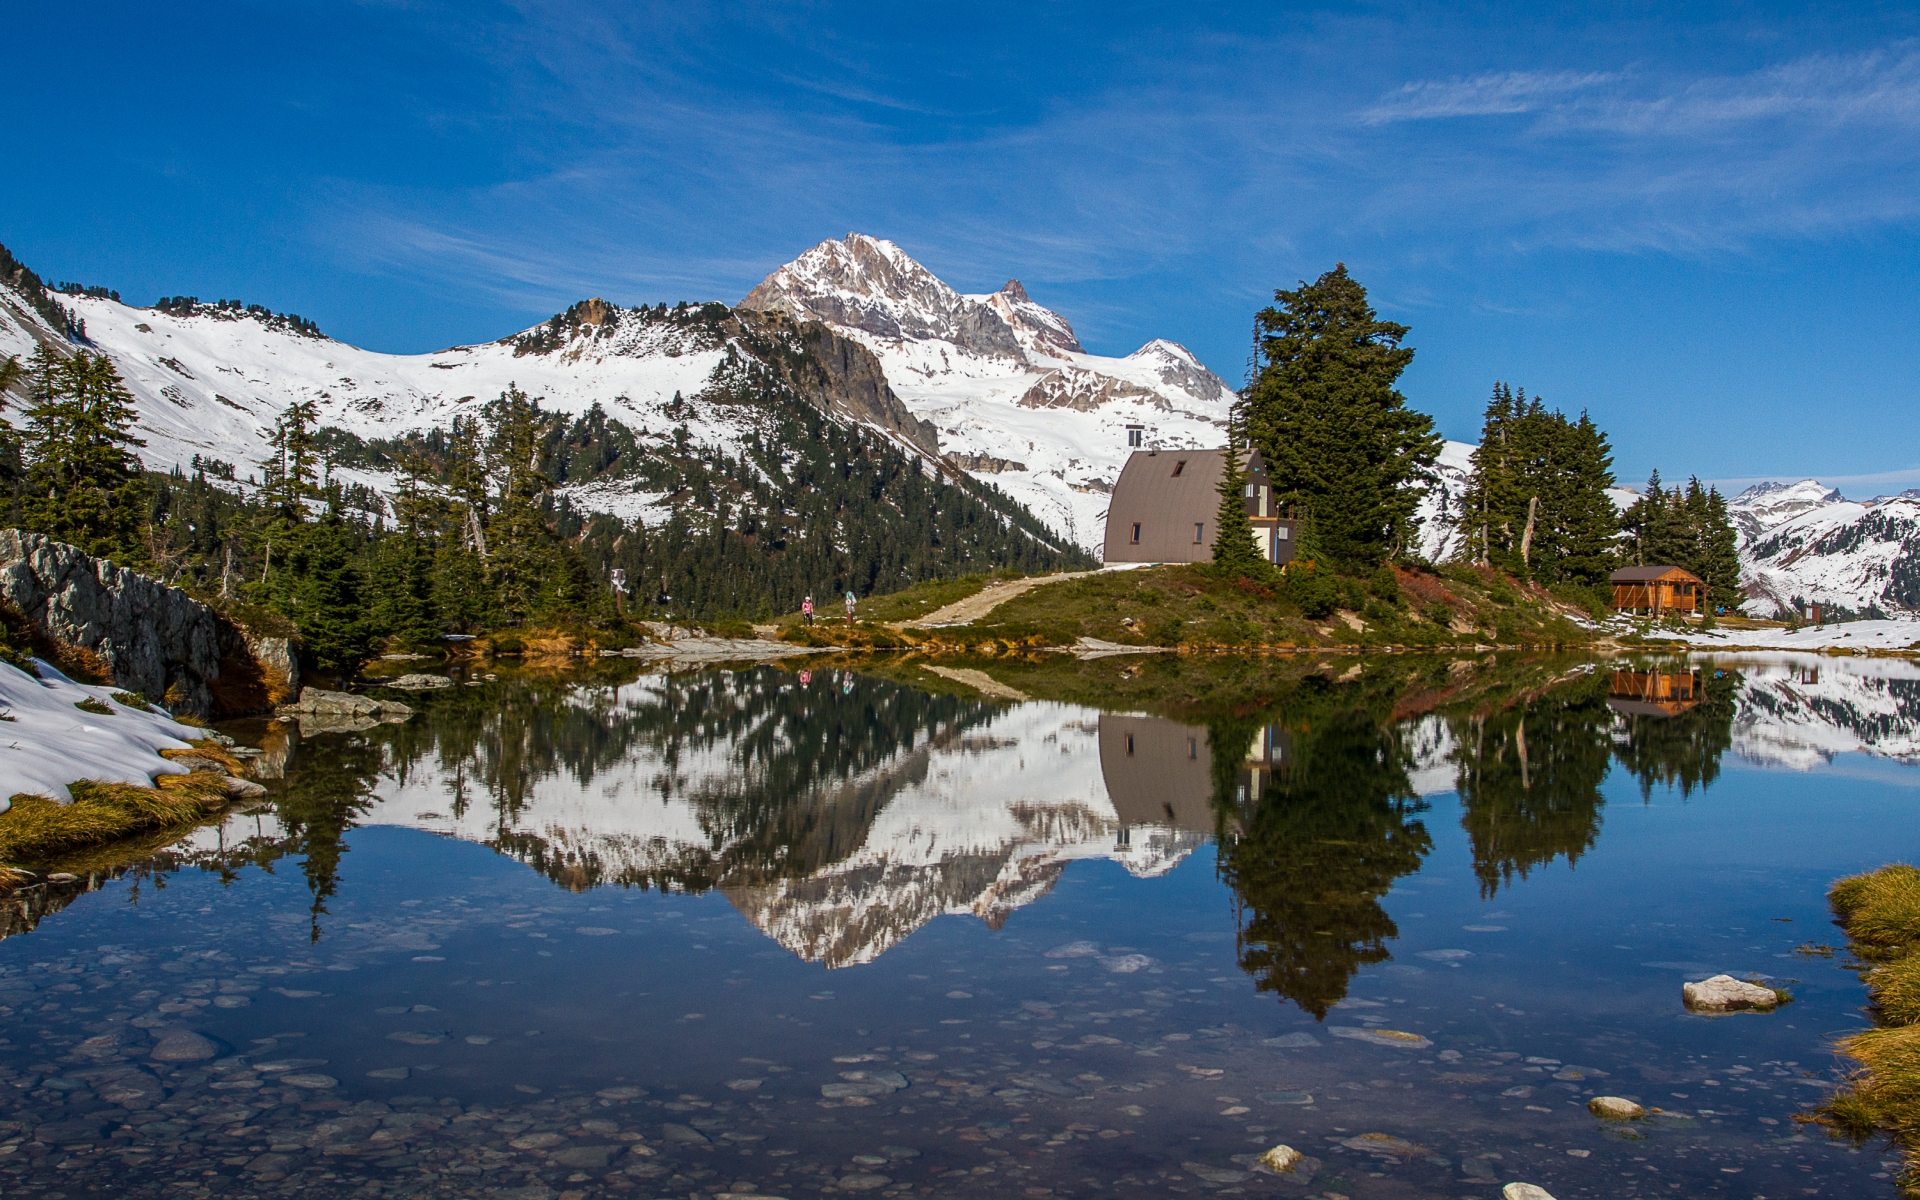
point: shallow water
(740, 933)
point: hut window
(1249, 491)
(1282, 533)
(1136, 435)
(1179, 467)
(1129, 745)
(1136, 533)
(1199, 528)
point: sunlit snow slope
(1803, 544)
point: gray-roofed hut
(1167, 503)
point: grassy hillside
(1189, 607)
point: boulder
(183, 1045)
(1524, 1191)
(1282, 1160)
(1615, 1108)
(1724, 993)
(419, 683)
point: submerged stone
(1380, 1037)
(183, 1045)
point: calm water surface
(765, 933)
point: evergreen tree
(1720, 556)
(1690, 528)
(1235, 553)
(519, 551)
(1336, 435)
(82, 483)
(1537, 500)
(402, 588)
(332, 597)
(290, 483)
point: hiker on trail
(806, 610)
(849, 608)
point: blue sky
(1701, 223)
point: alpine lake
(852, 927)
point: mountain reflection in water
(842, 813)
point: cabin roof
(1652, 574)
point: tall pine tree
(1336, 435)
(83, 485)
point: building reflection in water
(1653, 693)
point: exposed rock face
(843, 377)
(1040, 330)
(1085, 391)
(1724, 993)
(150, 637)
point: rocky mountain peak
(1015, 291)
(1766, 506)
(870, 284)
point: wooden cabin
(1658, 590)
(1653, 693)
(1167, 503)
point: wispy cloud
(1481, 95)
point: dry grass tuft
(37, 829)
(1880, 909)
(213, 750)
(1895, 988)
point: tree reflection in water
(1528, 774)
(1317, 824)
(1320, 817)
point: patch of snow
(46, 743)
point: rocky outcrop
(148, 637)
(843, 377)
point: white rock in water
(1075, 950)
(1615, 1108)
(419, 683)
(1282, 1159)
(1525, 1191)
(1724, 993)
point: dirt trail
(984, 601)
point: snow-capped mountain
(995, 385)
(1804, 544)
(1006, 383)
